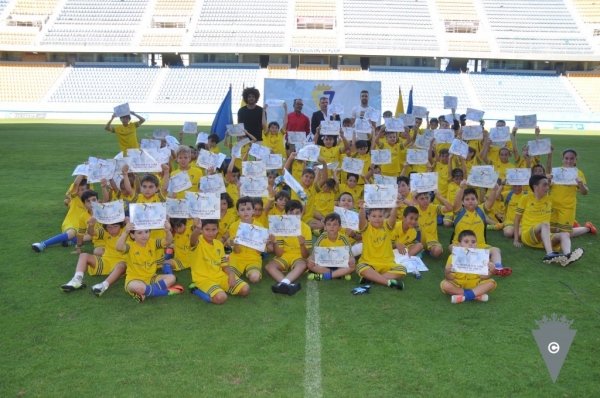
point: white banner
(343, 92)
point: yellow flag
(243, 104)
(400, 104)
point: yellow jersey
(534, 212)
(461, 276)
(109, 243)
(208, 260)
(494, 151)
(309, 206)
(225, 222)
(245, 253)
(215, 149)
(291, 245)
(127, 136)
(393, 169)
(365, 158)
(377, 244)
(442, 170)
(470, 220)
(233, 192)
(356, 192)
(297, 169)
(511, 206)
(76, 209)
(182, 244)
(276, 142)
(340, 241)
(565, 196)
(324, 201)
(142, 261)
(194, 174)
(406, 238)
(428, 222)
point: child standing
(127, 132)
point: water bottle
(417, 274)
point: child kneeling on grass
(331, 238)
(111, 262)
(376, 262)
(143, 256)
(467, 287)
(211, 274)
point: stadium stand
(18, 36)
(319, 39)
(457, 10)
(105, 12)
(525, 93)
(544, 45)
(203, 85)
(174, 8)
(34, 7)
(391, 40)
(314, 72)
(529, 16)
(27, 82)
(278, 71)
(588, 89)
(88, 36)
(237, 38)
(315, 9)
(3, 4)
(589, 10)
(387, 13)
(163, 37)
(464, 42)
(106, 85)
(432, 87)
(254, 13)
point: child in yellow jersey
(392, 144)
(467, 287)
(472, 216)
(276, 207)
(258, 212)
(245, 260)
(332, 237)
(291, 253)
(440, 166)
(564, 198)
(228, 217)
(428, 214)
(376, 262)
(310, 188)
(245, 148)
(87, 198)
(351, 186)
(346, 201)
(325, 200)
(511, 202)
(213, 143)
(180, 259)
(232, 180)
(360, 150)
(127, 132)
(141, 280)
(273, 134)
(111, 262)
(532, 225)
(405, 195)
(71, 221)
(455, 177)
(183, 157)
(406, 237)
(328, 151)
(211, 275)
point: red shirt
(299, 122)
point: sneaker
(396, 284)
(293, 288)
(281, 288)
(67, 243)
(554, 257)
(361, 290)
(457, 298)
(175, 289)
(348, 277)
(593, 230)
(139, 298)
(38, 247)
(192, 287)
(74, 284)
(314, 277)
(483, 297)
(576, 225)
(573, 256)
(98, 289)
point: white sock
(286, 281)
(78, 275)
(105, 284)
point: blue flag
(410, 102)
(223, 117)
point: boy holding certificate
(127, 132)
(211, 275)
(291, 253)
(180, 259)
(467, 287)
(244, 260)
(183, 156)
(532, 225)
(428, 214)
(376, 262)
(331, 238)
(213, 143)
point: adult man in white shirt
(363, 109)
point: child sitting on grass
(331, 238)
(466, 287)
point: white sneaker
(483, 297)
(38, 247)
(74, 284)
(573, 256)
(98, 289)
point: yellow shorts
(467, 283)
(177, 264)
(67, 228)
(562, 219)
(288, 262)
(510, 224)
(432, 243)
(104, 265)
(220, 284)
(449, 217)
(382, 268)
(243, 265)
(528, 238)
(150, 281)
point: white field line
(312, 366)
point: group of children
(540, 215)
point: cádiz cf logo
(323, 90)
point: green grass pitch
(412, 342)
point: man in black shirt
(251, 114)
